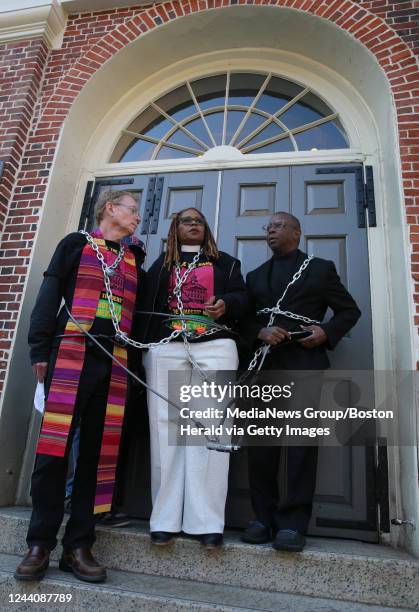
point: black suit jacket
(318, 288)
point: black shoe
(289, 539)
(161, 538)
(256, 533)
(113, 519)
(82, 564)
(211, 540)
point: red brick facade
(40, 85)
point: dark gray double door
(237, 203)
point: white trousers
(188, 483)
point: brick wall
(21, 68)
(39, 87)
(401, 15)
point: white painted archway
(297, 46)
(334, 90)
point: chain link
(177, 291)
(276, 310)
(290, 315)
(118, 259)
(119, 334)
(180, 281)
(254, 361)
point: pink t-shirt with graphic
(196, 291)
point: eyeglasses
(133, 209)
(191, 221)
(275, 225)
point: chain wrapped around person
(124, 339)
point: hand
(40, 370)
(273, 335)
(215, 309)
(318, 336)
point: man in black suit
(309, 297)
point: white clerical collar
(190, 248)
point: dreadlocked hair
(173, 249)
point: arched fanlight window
(255, 113)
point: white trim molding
(261, 160)
(33, 20)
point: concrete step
(129, 591)
(335, 569)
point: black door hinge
(365, 197)
(149, 205)
(154, 219)
(152, 205)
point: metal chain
(118, 259)
(177, 292)
(119, 334)
(181, 280)
(276, 310)
(290, 315)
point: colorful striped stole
(62, 394)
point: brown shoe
(84, 566)
(33, 565)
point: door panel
(180, 190)
(323, 197)
(248, 199)
(326, 207)
(325, 204)
(252, 252)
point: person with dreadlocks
(189, 483)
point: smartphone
(297, 335)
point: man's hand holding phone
(273, 335)
(316, 337)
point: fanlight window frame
(242, 144)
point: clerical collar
(190, 248)
(111, 244)
(287, 256)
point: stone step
(336, 569)
(129, 591)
